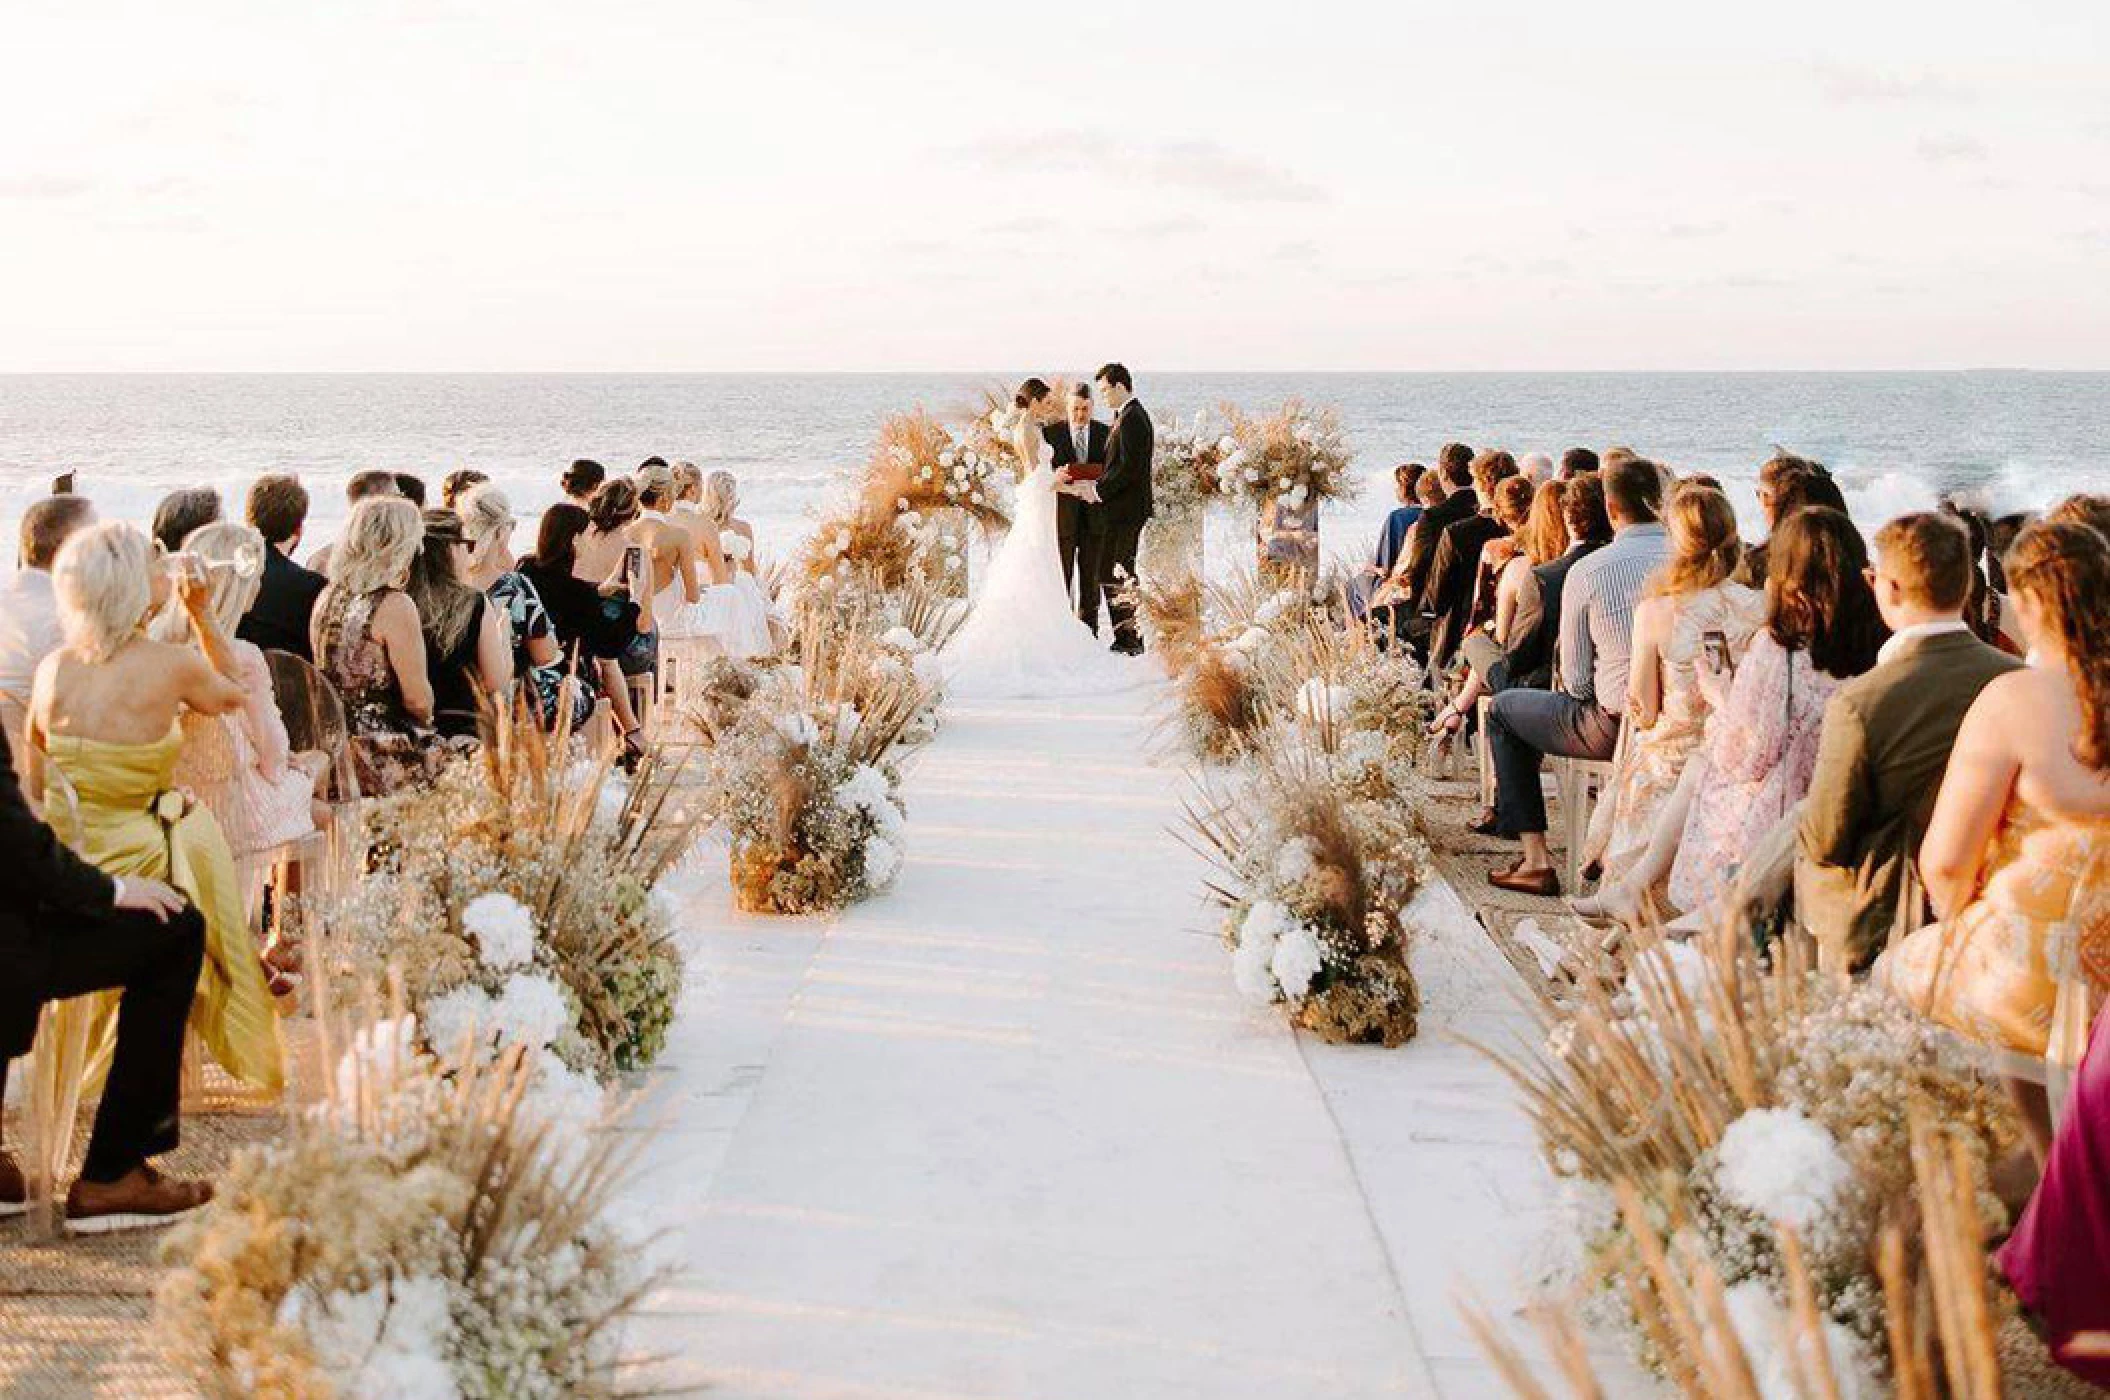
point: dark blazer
(1531, 656)
(1428, 533)
(41, 883)
(278, 619)
(1880, 760)
(1454, 578)
(1069, 510)
(1125, 494)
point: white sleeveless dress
(1023, 640)
(733, 617)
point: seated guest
(1539, 536)
(487, 522)
(240, 763)
(676, 576)
(1536, 468)
(1821, 630)
(180, 512)
(1577, 461)
(363, 486)
(457, 484)
(1886, 741)
(104, 742)
(1786, 484)
(1535, 635)
(1691, 604)
(1454, 473)
(738, 615)
(582, 478)
(285, 600)
(468, 656)
(600, 555)
(2058, 1258)
(595, 625)
(1580, 720)
(369, 642)
(67, 929)
(2016, 858)
(29, 611)
(2084, 508)
(411, 488)
(1406, 481)
(1448, 597)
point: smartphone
(634, 565)
(1716, 645)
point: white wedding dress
(1023, 639)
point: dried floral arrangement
(1295, 455)
(518, 894)
(421, 1233)
(921, 466)
(1315, 888)
(1186, 469)
(1739, 1104)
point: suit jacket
(1068, 509)
(1880, 759)
(278, 619)
(42, 883)
(1125, 495)
(1428, 533)
(1453, 581)
(1531, 656)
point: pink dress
(237, 764)
(1760, 752)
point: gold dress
(131, 821)
(1992, 972)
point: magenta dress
(2058, 1259)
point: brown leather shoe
(1543, 883)
(137, 1200)
(14, 1188)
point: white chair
(1580, 782)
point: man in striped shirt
(1580, 717)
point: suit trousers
(1115, 544)
(1523, 726)
(155, 967)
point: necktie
(1084, 444)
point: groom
(1078, 443)
(1114, 528)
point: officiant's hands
(1087, 491)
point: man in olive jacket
(1886, 742)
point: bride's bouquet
(1296, 455)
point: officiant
(1078, 442)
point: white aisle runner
(1007, 1130)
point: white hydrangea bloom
(1295, 962)
(1321, 703)
(882, 862)
(503, 928)
(531, 1010)
(570, 1102)
(387, 1342)
(1779, 1164)
(901, 639)
(1251, 961)
(1294, 861)
(1769, 1341)
(798, 727)
(453, 1016)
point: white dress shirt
(29, 632)
(1904, 635)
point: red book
(1086, 471)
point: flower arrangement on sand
(1757, 1116)
(922, 466)
(1295, 455)
(424, 1232)
(518, 895)
(1186, 470)
(1315, 891)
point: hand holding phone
(1714, 647)
(634, 566)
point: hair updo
(1031, 392)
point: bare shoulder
(395, 610)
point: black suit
(1427, 533)
(1116, 527)
(1453, 583)
(285, 601)
(1071, 514)
(61, 936)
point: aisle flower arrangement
(424, 1232)
(1187, 468)
(1315, 891)
(921, 466)
(1295, 455)
(518, 894)
(1734, 1103)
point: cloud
(43, 186)
(1712, 229)
(1197, 167)
(1951, 148)
(1849, 85)
(1298, 250)
(1171, 227)
(1027, 223)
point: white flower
(901, 504)
(388, 1342)
(1250, 961)
(1294, 861)
(1769, 1340)
(452, 1017)
(842, 542)
(865, 790)
(930, 671)
(882, 862)
(1295, 962)
(531, 1010)
(1298, 495)
(1779, 1164)
(1226, 444)
(846, 721)
(380, 1056)
(901, 639)
(1252, 641)
(1321, 703)
(568, 1101)
(503, 928)
(947, 458)
(799, 728)
(927, 474)
(952, 563)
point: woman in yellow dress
(104, 737)
(2016, 860)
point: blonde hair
(1704, 545)
(688, 481)
(103, 580)
(721, 497)
(487, 520)
(240, 549)
(380, 541)
(655, 486)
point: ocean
(2015, 439)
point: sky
(665, 185)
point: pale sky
(711, 185)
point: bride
(1023, 638)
